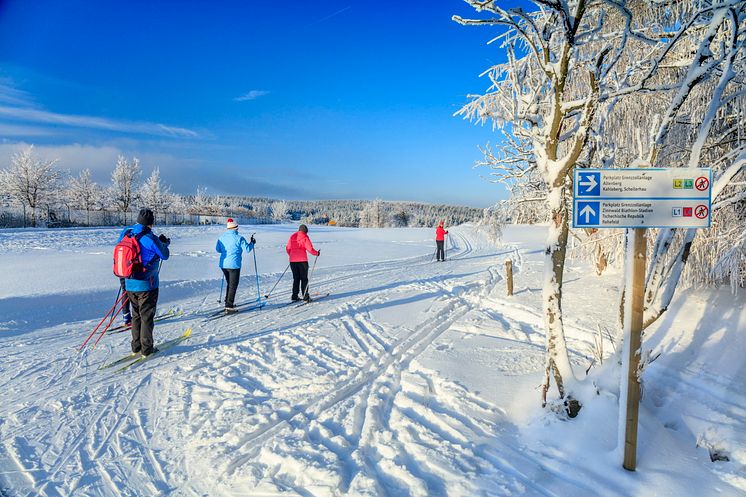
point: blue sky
(282, 99)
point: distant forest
(34, 192)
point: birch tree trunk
(557, 362)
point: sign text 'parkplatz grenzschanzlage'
(642, 198)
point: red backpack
(127, 256)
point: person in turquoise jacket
(231, 246)
(142, 287)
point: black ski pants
(125, 302)
(440, 253)
(300, 279)
(143, 311)
(232, 276)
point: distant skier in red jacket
(297, 246)
(440, 236)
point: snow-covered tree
(279, 210)
(154, 194)
(571, 94)
(702, 125)
(400, 217)
(544, 100)
(83, 193)
(123, 191)
(493, 221)
(176, 204)
(372, 215)
(30, 181)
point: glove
(164, 239)
(252, 239)
(319, 252)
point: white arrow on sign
(590, 184)
(588, 212)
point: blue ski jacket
(152, 251)
(231, 245)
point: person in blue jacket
(231, 245)
(142, 287)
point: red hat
(232, 224)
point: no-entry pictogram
(701, 211)
(702, 183)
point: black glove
(252, 239)
(164, 239)
(319, 253)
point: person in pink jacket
(297, 246)
(440, 236)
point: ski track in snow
(329, 399)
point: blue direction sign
(589, 183)
(642, 198)
(588, 213)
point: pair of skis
(254, 306)
(137, 358)
(248, 306)
(167, 315)
(314, 298)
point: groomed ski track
(328, 399)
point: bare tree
(30, 181)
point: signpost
(642, 198)
(639, 198)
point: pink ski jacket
(297, 246)
(440, 234)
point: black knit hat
(303, 228)
(146, 217)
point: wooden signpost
(638, 199)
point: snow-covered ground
(413, 378)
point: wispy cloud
(11, 95)
(91, 122)
(252, 95)
(326, 18)
(18, 106)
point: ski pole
(445, 247)
(273, 288)
(119, 299)
(308, 285)
(256, 272)
(108, 325)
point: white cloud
(39, 116)
(74, 157)
(7, 130)
(17, 105)
(252, 95)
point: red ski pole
(108, 325)
(102, 320)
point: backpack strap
(137, 236)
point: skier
(142, 287)
(440, 236)
(297, 246)
(231, 245)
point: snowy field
(413, 378)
